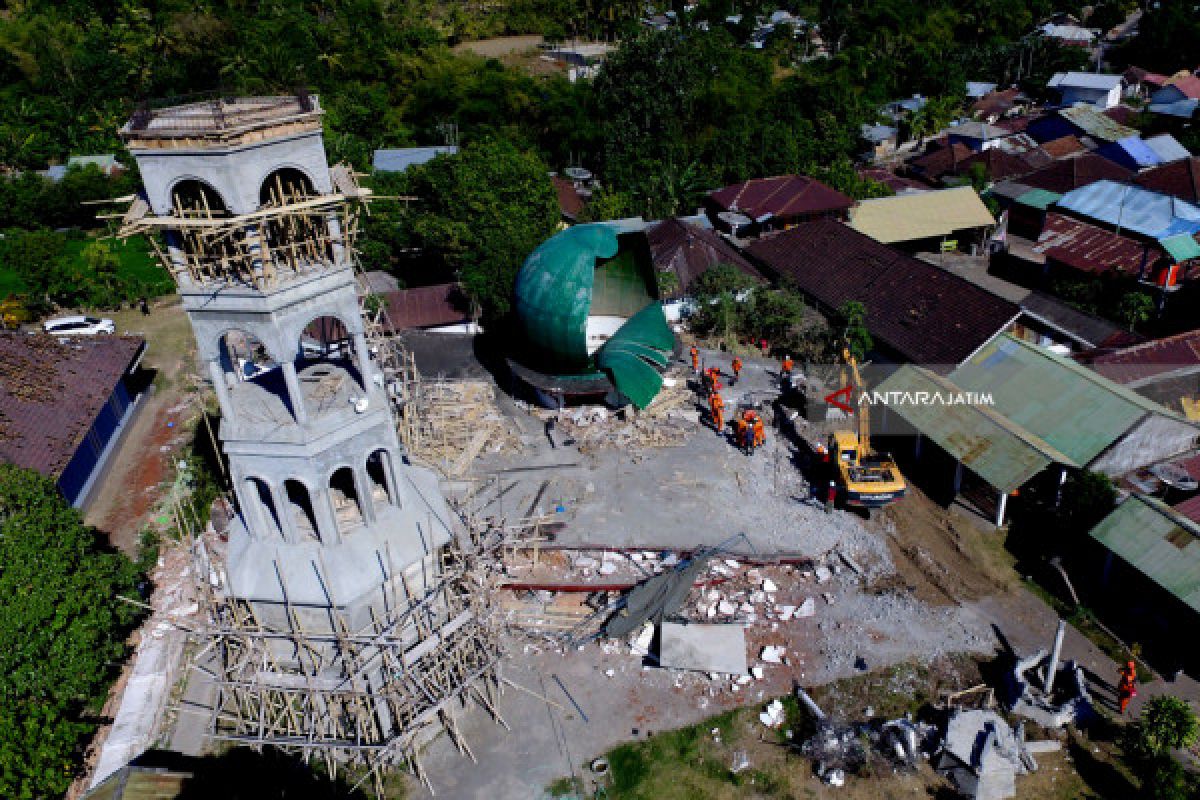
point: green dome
(594, 270)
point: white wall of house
(1100, 98)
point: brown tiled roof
(569, 201)
(1179, 178)
(1071, 173)
(781, 196)
(1148, 359)
(943, 161)
(1064, 146)
(999, 165)
(891, 180)
(690, 250)
(925, 314)
(996, 103)
(1121, 114)
(51, 392)
(1014, 124)
(1090, 249)
(427, 306)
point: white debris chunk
(773, 716)
(768, 585)
(823, 574)
(807, 609)
(773, 654)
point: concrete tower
(336, 552)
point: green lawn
(138, 264)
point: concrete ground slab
(707, 648)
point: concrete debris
(981, 755)
(807, 609)
(774, 715)
(773, 654)
(741, 762)
(719, 649)
(823, 574)
(769, 586)
(1050, 694)
(640, 646)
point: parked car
(78, 326)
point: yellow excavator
(866, 479)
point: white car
(78, 326)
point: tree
(107, 288)
(718, 293)
(37, 258)
(1135, 308)
(63, 631)
(1087, 498)
(1167, 723)
(853, 315)
(482, 212)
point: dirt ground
(131, 486)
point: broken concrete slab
(704, 648)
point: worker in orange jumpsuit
(785, 369)
(714, 379)
(760, 432)
(1127, 686)
(695, 360)
(717, 408)
(749, 417)
(739, 431)
(737, 370)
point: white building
(1101, 91)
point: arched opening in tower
(210, 253)
(301, 508)
(263, 513)
(294, 240)
(347, 506)
(379, 470)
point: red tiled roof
(1065, 146)
(1071, 173)
(943, 161)
(891, 180)
(569, 201)
(52, 391)
(1090, 249)
(427, 306)
(1148, 359)
(781, 196)
(996, 103)
(925, 314)
(690, 250)
(1179, 178)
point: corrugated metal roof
(1072, 173)
(400, 159)
(1039, 198)
(1133, 208)
(1137, 363)
(1184, 109)
(1180, 179)
(1003, 454)
(1073, 409)
(1084, 80)
(780, 196)
(1094, 124)
(1181, 247)
(689, 251)
(1132, 151)
(1167, 148)
(977, 89)
(926, 215)
(1159, 542)
(1089, 248)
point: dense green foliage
(1166, 724)
(62, 629)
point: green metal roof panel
(1181, 247)
(992, 447)
(1075, 410)
(1158, 542)
(1039, 198)
(637, 354)
(554, 293)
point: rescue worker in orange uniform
(714, 379)
(737, 370)
(749, 417)
(785, 369)
(695, 360)
(739, 432)
(1127, 686)
(760, 432)
(717, 408)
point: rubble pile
(981, 755)
(1051, 694)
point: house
(1066, 325)
(916, 311)
(998, 164)
(1029, 414)
(978, 89)
(571, 200)
(939, 162)
(896, 183)
(377, 281)
(1141, 83)
(1153, 554)
(975, 135)
(1101, 91)
(1068, 35)
(1081, 120)
(1179, 111)
(64, 404)
(1071, 245)
(997, 104)
(1072, 173)
(1131, 152)
(1179, 179)
(925, 221)
(443, 308)
(1167, 148)
(1165, 370)
(1063, 147)
(106, 163)
(1186, 87)
(687, 251)
(1133, 209)
(881, 139)
(773, 203)
(400, 159)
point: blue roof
(56, 172)
(401, 159)
(1181, 108)
(878, 133)
(1167, 148)
(1136, 152)
(1133, 209)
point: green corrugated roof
(554, 294)
(1182, 246)
(635, 356)
(999, 452)
(1039, 198)
(1063, 403)
(1158, 542)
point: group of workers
(749, 431)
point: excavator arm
(861, 409)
